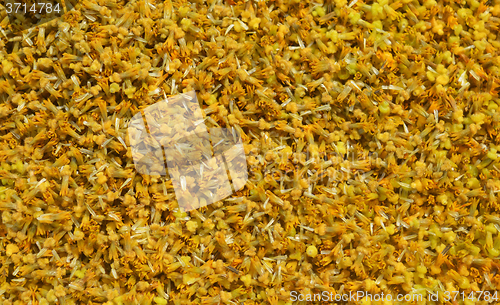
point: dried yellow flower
(369, 129)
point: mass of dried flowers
(371, 130)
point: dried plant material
(172, 152)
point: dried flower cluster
(371, 131)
